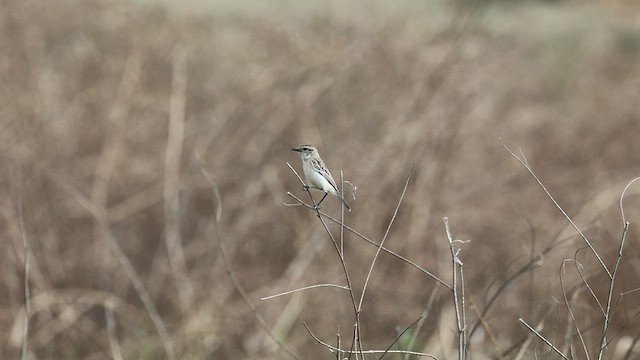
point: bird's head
(306, 151)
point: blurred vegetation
(111, 109)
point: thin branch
(365, 238)
(623, 327)
(399, 336)
(615, 307)
(524, 163)
(624, 221)
(607, 314)
(393, 218)
(342, 207)
(458, 298)
(566, 301)
(463, 331)
(334, 349)
(629, 292)
(586, 284)
(302, 289)
(487, 328)
(425, 313)
(543, 339)
(524, 343)
(532, 264)
(357, 339)
(27, 292)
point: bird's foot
(305, 188)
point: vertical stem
(458, 298)
(607, 314)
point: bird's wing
(318, 164)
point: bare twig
(624, 221)
(528, 267)
(524, 343)
(487, 328)
(365, 238)
(463, 307)
(526, 165)
(375, 257)
(342, 207)
(587, 285)
(543, 339)
(425, 313)
(302, 289)
(566, 301)
(334, 349)
(623, 327)
(400, 335)
(458, 296)
(607, 314)
(357, 339)
(27, 292)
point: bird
(317, 174)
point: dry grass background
(109, 109)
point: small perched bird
(317, 173)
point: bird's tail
(346, 204)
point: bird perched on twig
(317, 173)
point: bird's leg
(317, 207)
(307, 187)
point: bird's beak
(296, 149)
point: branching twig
(365, 238)
(524, 163)
(334, 349)
(375, 257)
(623, 327)
(458, 296)
(532, 264)
(607, 314)
(566, 301)
(357, 340)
